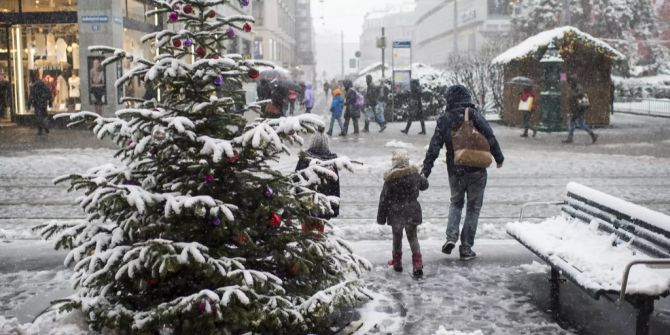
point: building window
(48, 5)
(501, 7)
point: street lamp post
(551, 118)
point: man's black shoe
(404, 132)
(466, 253)
(448, 247)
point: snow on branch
(265, 133)
(216, 148)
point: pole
(383, 49)
(342, 48)
(567, 16)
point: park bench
(606, 246)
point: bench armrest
(535, 204)
(663, 262)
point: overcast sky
(345, 15)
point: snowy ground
(502, 292)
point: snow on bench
(606, 246)
(592, 257)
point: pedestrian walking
(292, 97)
(319, 149)
(527, 107)
(40, 98)
(463, 180)
(4, 95)
(372, 113)
(336, 108)
(579, 105)
(326, 88)
(279, 98)
(353, 104)
(415, 107)
(399, 208)
(308, 99)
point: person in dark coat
(579, 104)
(351, 111)
(415, 107)
(463, 180)
(264, 90)
(279, 98)
(4, 95)
(372, 106)
(320, 149)
(40, 98)
(399, 208)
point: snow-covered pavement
(498, 293)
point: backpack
(360, 100)
(470, 147)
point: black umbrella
(523, 81)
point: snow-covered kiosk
(585, 56)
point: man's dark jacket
(458, 99)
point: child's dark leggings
(411, 238)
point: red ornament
(291, 133)
(188, 9)
(234, 159)
(176, 43)
(151, 282)
(246, 27)
(275, 220)
(202, 308)
(212, 13)
(294, 269)
(200, 51)
(242, 239)
(253, 74)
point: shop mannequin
(62, 91)
(74, 90)
(97, 85)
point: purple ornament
(244, 3)
(230, 33)
(216, 221)
(188, 42)
(267, 192)
(173, 17)
(209, 178)
(218, 81)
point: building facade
(398, 24)
(304, 39)
(275, 31)
(447, 27)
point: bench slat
(634, 239)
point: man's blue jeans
(471, 185)
(375, 113)
(577, 121)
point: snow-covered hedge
(657, 87)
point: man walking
(415, 107)
(352, 107)
(40, 97)
(579, 104)
(372, 96)
(463, 180)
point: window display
(49, 52)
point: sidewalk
(18, 139)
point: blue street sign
(94, 18)
(402, 44)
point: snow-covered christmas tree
(192, 231)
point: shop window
(50, 52)
(9, 6)
(49, 5)
(135, 10)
